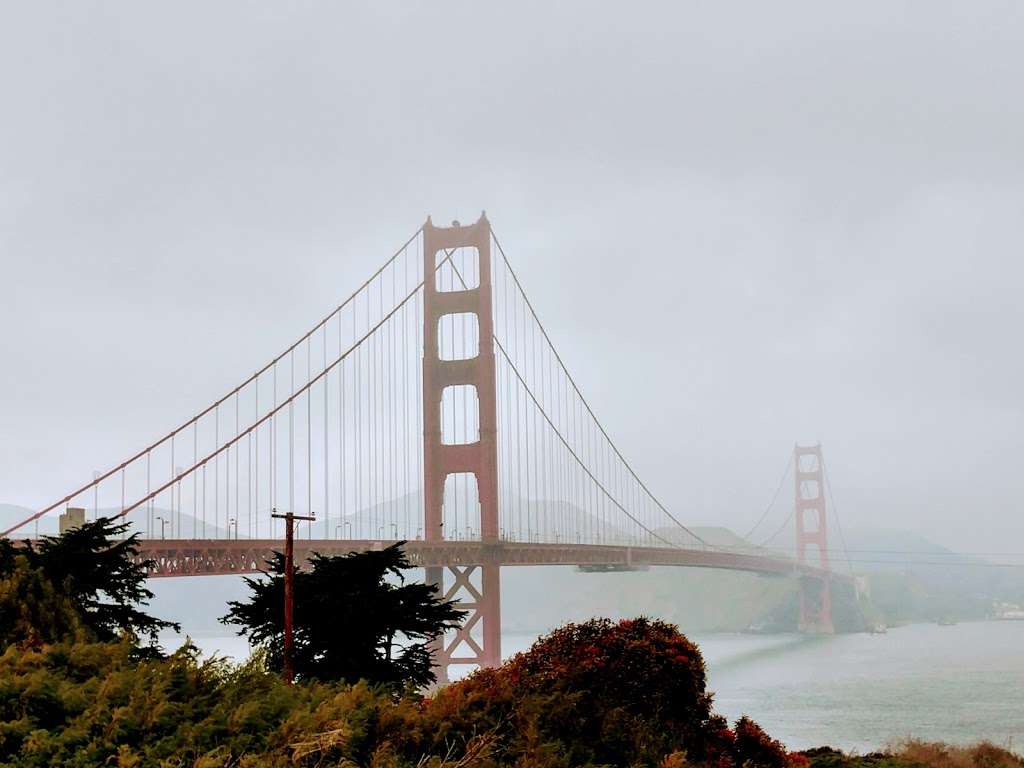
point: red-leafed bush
(755, 747)
(719, 743)
(745, 744)
(599, 692)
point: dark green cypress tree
(355, 618)
(94, 567)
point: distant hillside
(143, 520)
(714, 535)
(11, 514)
(913, 579)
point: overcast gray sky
(745, 224)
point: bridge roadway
(198, 557)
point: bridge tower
(812, 529)
(478, 458)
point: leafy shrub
(98, 704)
(595, 693)
(914, 753)
(939, 755)
(755, 747)
(84, 584)
(32, 612)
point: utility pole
(289, 587)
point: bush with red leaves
(755, 747)
(599, 692)
(745, 744)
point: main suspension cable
(775, 496)
(216, 404)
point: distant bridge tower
(812, 529)
(475, 585)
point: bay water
(856, 692)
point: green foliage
(31, 611)
(595, 694)
(918, 754)
(355, 618)
(598, 694)
(84, 583)
(93, 704)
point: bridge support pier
(475, 585)
(477, 588)
(812, 530)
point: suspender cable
(357, 398)
(341, 431)
(309, 441)
(103, 476)
(393, 471)
(327, 474)
(238, 483)
(291, 436)
(216, 467)
(217, 451)
(405, 400)
(274, 480)
(586, 405)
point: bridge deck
(196, 557)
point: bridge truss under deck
(191, 557)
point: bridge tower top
(460, 454)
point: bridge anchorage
(432, 407)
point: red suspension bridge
(430, 406)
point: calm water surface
(958, 683)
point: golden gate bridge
(432, 407)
